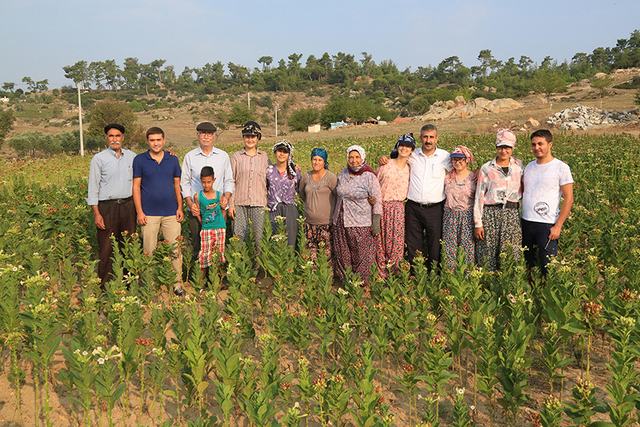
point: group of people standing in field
(421, 197)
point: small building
(314, 128)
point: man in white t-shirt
(546, 201)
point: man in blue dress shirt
(109, 195)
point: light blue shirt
(193, 163)
(110, 177)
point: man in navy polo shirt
(157, 197)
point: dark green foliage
(301, 119)
(6, 123)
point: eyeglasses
(504, 147)
(458, 159)
(207, 134)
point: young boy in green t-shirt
(212, 218)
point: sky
(39, 37)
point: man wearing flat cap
(204, 155)
(109, 195)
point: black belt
(510, 205)
(425, 205)
(117, 201)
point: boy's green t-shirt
(211, 212)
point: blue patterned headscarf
(321, 152)
(407, 140)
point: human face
(317, 163)
(156, 142)
(429, 140)
(115, 139)
(355, 160)
(206, 139)
(207, 183)
(541, 148)
(250, 141)
(282, 156)
(503, 153)
(404, 151)
(460, 164)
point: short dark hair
(207, 171)
(543, 133)
(428, 127)
(154, 131)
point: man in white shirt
(425, 204)
(204, 155)
(546, 201)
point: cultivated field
(289, 347)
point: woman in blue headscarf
(317, 190)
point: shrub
(6, 123)
(109, 111)
(301, 119)
(239, 114)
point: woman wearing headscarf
(317, 190)
(457, 222)
(355, 221)
(496, 208)
(394, 185)
(282, 182)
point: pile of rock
(460, 108)
(583, 117)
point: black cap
(113, 126)
(206, 127)
(251, 128)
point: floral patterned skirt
(457, 232)
(318, 236)
(390, 241)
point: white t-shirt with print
(541, 197)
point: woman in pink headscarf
(496, 211)
(457, 222)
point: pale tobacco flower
(551, 403)
(346, 328)
(626, 323)
(158, 352)
(431, 318)
(101, 361)
(342, 291)
(303, 362)
(489, 322)
(460, 391)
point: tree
(110, 111)
(548, 81)
(601, 84)
(78, 73)
(301, 119)
(6, 123)
(8, 86)
(266, 61)
(28, 81)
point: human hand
(142, 219)
(224, 201)
(375, 225)
(478, 232)
(231, 212)
(195, 209)
(179, 215)
(383, 160)
(554, 232)
(99, 221)
(371, 200)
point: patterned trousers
(211, 242)
(502, 233)
(246, 215)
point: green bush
(6, 123)
(239, 114)
(301, 119)
(109, 111)
(356, 109)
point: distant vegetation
(356, 88)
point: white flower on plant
(346, 328)
(343, 291)
(101, 361)
(460, 391)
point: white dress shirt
(426, 183)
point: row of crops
(285, 346)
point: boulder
(449, 104)
(459, 100)
(532, 123)
(503, 105)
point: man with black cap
(109, 195)
(204, 155)
(249, 167)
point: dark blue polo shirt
(157, 191)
